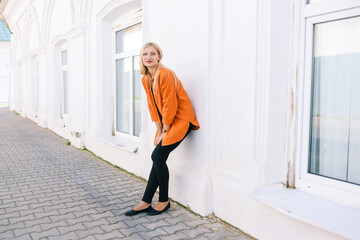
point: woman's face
(150, 57)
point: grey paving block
(102, 215)
(175, 236)
(54, 191)
(55, 207)
(21, 231)
(132, 222)
(7, 235)
(174, 228)
(45, 234)
(179, 218)
(48, 226)
(116, 234)
(73, 221)
(71, 228)
(14, 215)
(196, 232)
(134, 236)
(68, 236)
(20, 209)
(14, 220)
(221, 234)
(8, 206)
(64, 210)
(89, 232)
(76, 203)
(31, 223)
(26, 202)
(89, 238)
(154, 233)
(91, 224)
(86, 212)
(111, 227)
(23, 237)
(152, 225)
(46, 214)
(128, 231)
(62, 217)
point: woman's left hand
(160, 137)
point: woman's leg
(151, 186)
(159, 175)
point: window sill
(318, 211)
(120, 143)
(58, 122)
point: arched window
(34, 85)
(120, 108)
(127, 90)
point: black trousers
(159, 175)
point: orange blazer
(174, 106)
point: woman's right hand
(157, 138)
(159, 132)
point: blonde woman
(170, 108)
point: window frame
(35, 97)
(64, 68)
(318, 12)
(116, 56)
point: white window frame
(117, 26)
(64, 68)
(34, 69)
(323, 11)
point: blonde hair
(144, 70)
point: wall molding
(262, 79)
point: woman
(170, 108)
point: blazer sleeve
(154, 116)
(169, 98)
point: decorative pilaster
(262, 80)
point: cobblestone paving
(49, 190)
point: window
(64, 83)
(128, 87)
(334, 148)
(35, 86)
(330, 121)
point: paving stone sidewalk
(49, 190)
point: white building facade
(4, 64)
(273, 84)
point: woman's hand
(160, 134)
(160, 137)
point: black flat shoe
(156, 212)
(133, 212)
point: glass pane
(129, 39)
(64, 57)
(123, 95)
(65, 92)
(137, 96)
(335, 118)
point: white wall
(4, 71)
(186, 51)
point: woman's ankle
(142, 205)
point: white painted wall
(233, 60)
(4, 72)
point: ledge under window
(58, 122)
(318, 211)
(120, 143)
